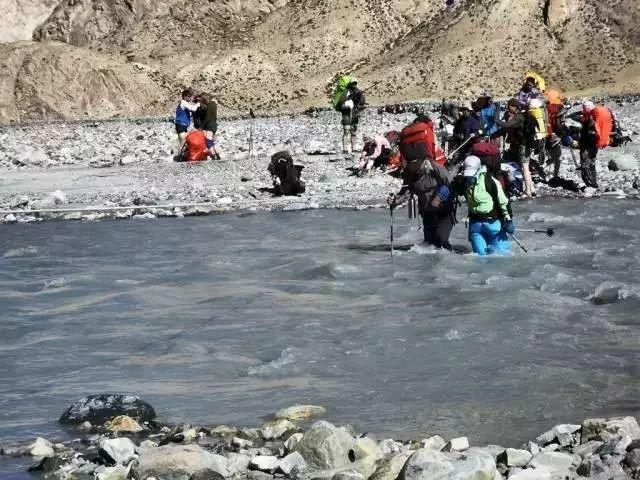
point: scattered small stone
(276, 428)
(435, 442)
(291, 461)
(119, 450)
(512, 457)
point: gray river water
(225, 319)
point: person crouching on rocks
(489, 217)
(348, 99)
(285, 174)
(184, 113)
(375, 153)
(597, 125)
(207, 116)
(423, 177)
(195, 147)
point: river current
(225, 319)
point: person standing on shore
(597, 125)
(206, 116)
(184, 113)
(348, 99)
(513, 126)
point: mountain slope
(276, 55)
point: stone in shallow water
(299, 412)
(276, 428)
(99, 408)
(40, 448)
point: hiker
(375, 153)
(195, 147)
(207, 117)
(489, 217)
(428, 181)
(555, 130)
(532, 87)
(184, 112)
(513, 126)
(597, 125)
(487, 113)
(467, 127)
(285, 174)
(348, 99)
(535, 134)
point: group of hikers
(197, 144)
(485, 155)
(498, 153)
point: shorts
(181, 129)
(349, 120)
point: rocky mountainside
(99, 58)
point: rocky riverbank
(128, 165)
(118, 437)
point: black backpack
(287, 174)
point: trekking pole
(252, 115)
(451, 154)
(549, 231)
(518, 242)
(391, 205)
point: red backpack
(196, 146)
(418, 141)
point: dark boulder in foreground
(99, 408)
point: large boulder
(325, 446)
(118, 450)
(426, 464)
(557, 463)
(177, 461)
(612, 429)
(390, 466)
(99, 408)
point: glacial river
(225, 319)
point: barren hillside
(101, 58)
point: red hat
(485, 149)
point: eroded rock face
(560, 11)
(20, 17)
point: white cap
(587, 106)
(471, 166)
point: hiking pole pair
(391, 207)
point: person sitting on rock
(375, 153)
(184, 113)
(349, 100)
(207, 116)
(597, 125)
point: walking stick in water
(393, 199)
(518, 242)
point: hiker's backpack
(340, 90)
(286, 174)
(418, 141)
(492, 189)
(195, 147)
